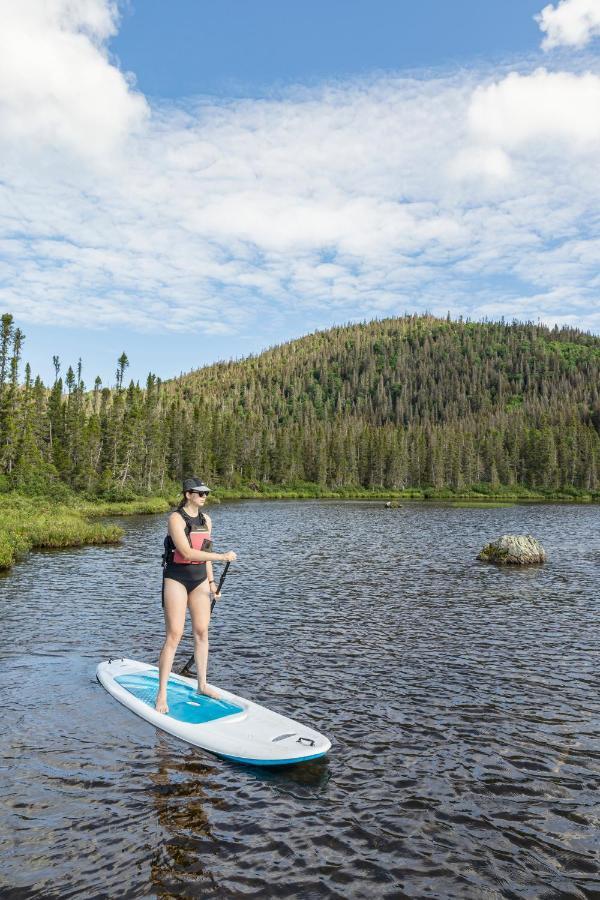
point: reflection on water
(462, 701)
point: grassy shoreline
(28, 523)
(478, 494)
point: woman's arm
(179, 537)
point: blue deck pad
(185, 704)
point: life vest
(199, 540)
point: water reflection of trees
(186, 785)
(180, 798)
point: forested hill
(411, 402)
(413, 371)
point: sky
(193, 181)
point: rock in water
(515, 550)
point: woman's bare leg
(199, 604)
(176, 598)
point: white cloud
(540, 115)
(57, 85)
(354, 199)
(571, 23)
(542, 106)
(481, 161)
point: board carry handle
(187, 669)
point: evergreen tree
(399, 403)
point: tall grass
(140, 506)
(26, 523)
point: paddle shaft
(219, 586)
(187, 669)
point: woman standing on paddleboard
(188, 583)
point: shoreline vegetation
(28, 523)
(396, 410)
(483, 493)
(34, 523)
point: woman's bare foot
(207, 691)
(161, 704)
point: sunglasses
(200, 493)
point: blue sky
(240, 48)
(189, 181)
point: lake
(462, 700)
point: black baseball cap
(195, 484)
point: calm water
(463, 702)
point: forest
(396, 404)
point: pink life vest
(198, 540)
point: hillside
(410, 401)
(404, 403)
(412, 370)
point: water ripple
(463, 702)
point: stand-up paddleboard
(231, 727)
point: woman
(188, 582)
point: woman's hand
(230, 556)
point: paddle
(187, 669)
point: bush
(42, 481)
(117, 494)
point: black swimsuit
(188, 574)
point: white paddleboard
(231, 727)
